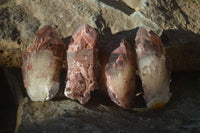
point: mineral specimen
(154, 68)
(42, 64)
(81, 56)
(118, 72)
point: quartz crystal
(81, 56)
(42, 63)
(118, 71)
(154, 68)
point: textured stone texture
(135, 4)
(20, 20)
(174, 14)
(17, 30)
(60, 115)
(180, 21)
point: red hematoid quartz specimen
(82, 62)
(42, 63)
(118, 72)
(154, 68)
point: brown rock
(21, 19)
(81, 57)
(135, 4)
(42, 64)
(118, 70)
(174, 14)
(101, 116)
(179, 20)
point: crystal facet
(81, 56)
(154, 68)
(42, 63)
(118, 71)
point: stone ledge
(101, 115)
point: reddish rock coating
(42, 63)
(118, 72)
(154, 68)
(82, 59)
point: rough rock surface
(20, 20)
(174, 14)
(181, 114)
(135, 4)
(178, 19)
(181, 37)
